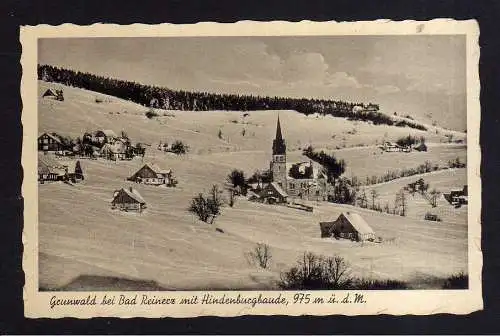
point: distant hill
(157, 97)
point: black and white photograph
(336, 162)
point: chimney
(130, 189)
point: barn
(150, 174)
(348, 226)
(128, 199)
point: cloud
(342, 79)
(304, 67)
(422, 86)
(386, 89)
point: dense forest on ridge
(158, 97)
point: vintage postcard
(251, 168)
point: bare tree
(231, 197)
(316, 272)
(262, 255)
(374, 195)
(434, 197)
(337, 271)
(215, 202)
(363, 200)
(400, 202)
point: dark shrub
(457, 281)
(316, 272)
(378, 284)
(151, 113)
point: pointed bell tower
(278, 162)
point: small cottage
(50, 142)
(150, 174)
(128, 199)
(348, 225)
(273, 193)
(116, 151)
(390, 147)
(49, 93)
(459, 195)
(50, 169)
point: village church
(302, 180)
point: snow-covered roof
(279, 190)
(358, 222)
(157, 169)
(53, 137)
(118, 148)
(134, 194)
(317, 169)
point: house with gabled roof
(273, 193)
(116, 151)
(128, 199)
(50, 142)
(50, 169)
(49, 93)
(154, 175)
(348, 225)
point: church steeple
(279, 147)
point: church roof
(279, 146)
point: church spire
(279, 147)
(278, 130)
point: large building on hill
(300, 180)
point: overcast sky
(419, 75)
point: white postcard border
(396, 302)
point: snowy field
(81, 238)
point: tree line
(159, 97)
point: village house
(392, 147)
(116, 151)
(459, 195)
(128, 199)
(57, 94)
(348, 226)
(307, 181)
(150, 174)
(165, 147)
(50, 142)
(272, 193)
(50, 169)
(49, 93)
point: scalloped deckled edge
(418, 302)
